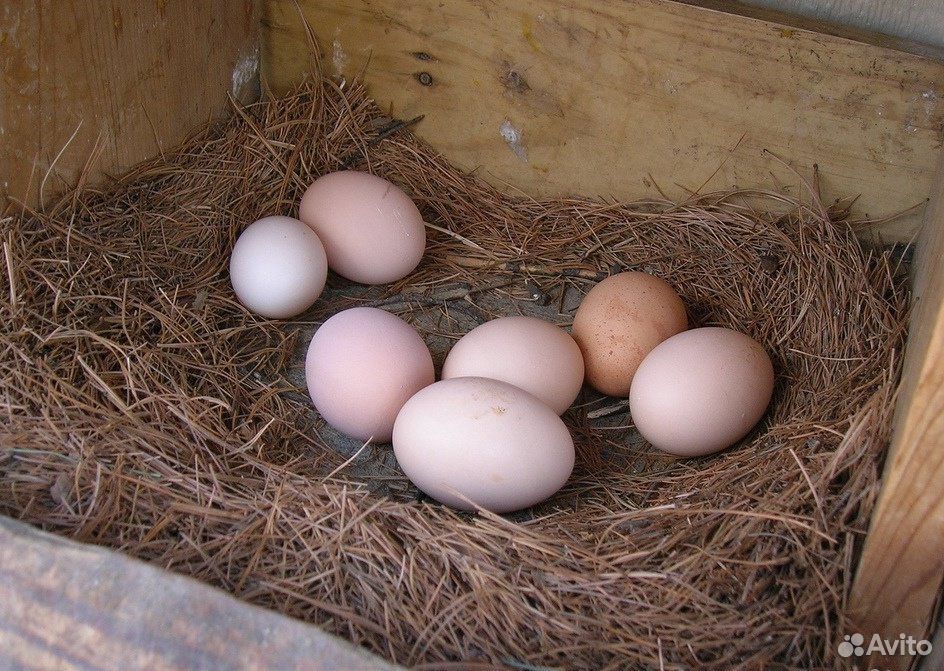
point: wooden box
(612, 99)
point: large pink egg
(471, 441)
(372, 232)
(362, 365)
(701, 391)
(530, 353)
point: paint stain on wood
(512, 79)
(338, 58)
(527, 32)
(513, 137)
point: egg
(618, 323)
(362, 365)
(530, 353)
(372, 232)
(472, 441)
(278, 267)
(701, 391)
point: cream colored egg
(530, 353)
(372, 231)
(278, 267)
(701, 391)
(473, 441)
(362, 365)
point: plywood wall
(128, 77)
(615, 98)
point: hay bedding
(145, 410)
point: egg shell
(485, 441)
(701, 391)
(362, 365)
(372, 231)
(530, 353)
(278, 267)
(618, 323)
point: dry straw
(145, 410)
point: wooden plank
(132, 75)
(901, 571)
(604, 98)
(70, 607)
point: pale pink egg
(530, 353)
(701, 391)
(362, 365)
(471, 441)
(372, 231)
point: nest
(144, 409)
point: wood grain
(613, 98)
(65, 606)
(901, 571)
(129, 76)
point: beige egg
(619, 322)
(473, 441)
(372, 232)
(530, 353)
(278, 267)
(701, 391)
(362, 365)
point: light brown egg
(701, 391)
(619, 322)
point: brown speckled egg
(619, 322)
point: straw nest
(146, 410)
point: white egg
(278, 267)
